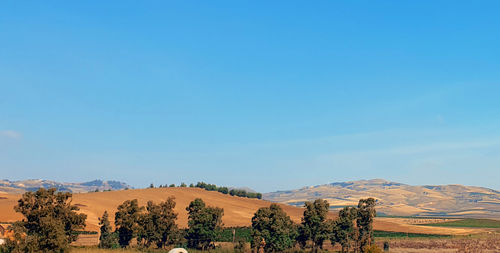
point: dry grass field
(400, 199)
(485, 244)
(238, 211)
(408, 226)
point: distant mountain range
(21, 186)
(393, 198)
(400, 199)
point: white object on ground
(178, 250)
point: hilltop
(21, 186)
(400, 199)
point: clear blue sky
(266, 94)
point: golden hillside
(238, 211)
(401, 199)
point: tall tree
(126, 221)
(106, 239)
(364, 222)
(50, 220)
(204, 224)
(158, 225)
(314, 225)
(272, 229)
(344, 231)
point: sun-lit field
(238, 211)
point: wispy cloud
(10, 134)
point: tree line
(51, 223)
(274, 231)
(221, 189)
(155, 225)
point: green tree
(364, 221)
(315, 227)
(183, 185)
(223, 190)
(106, 239)
(126, 221)
(50, 221)
(272, 229)
(204, 224)
(158, 225)
(344, 231)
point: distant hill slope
(7, 186)
(401, 199)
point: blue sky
(266, 94)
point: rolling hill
(238, 211)
(401, 199)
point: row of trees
(273, 230)
(155, 225)
(221, 189)
(226, 190)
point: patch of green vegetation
(240, 232)
(468, 223)
(388, 234)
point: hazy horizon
(267, 95)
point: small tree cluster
(315, 227)
(157, 225)
(126, 221)
(205, 224)
(50, 222)
(344, 231)
(359, 236)
(272, 229)
(153, 225)
(225, 190)
(243, 193)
